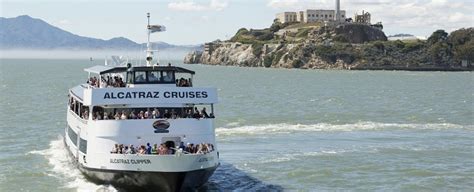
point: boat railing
(166, 155)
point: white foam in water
(300, 155)
(63, 169)
(284, 128)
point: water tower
(338, 11)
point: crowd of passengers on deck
(140, 113)
(167, 148)
(149, 114)
(115, 81)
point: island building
(310, 16)
(313, 15)
(363, 18)
(321, 15)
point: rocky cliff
(350, 46)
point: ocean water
(277, 129)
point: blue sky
(198, 21)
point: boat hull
(146, 181)
(150, 181)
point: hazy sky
(198, 21)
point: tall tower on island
(338, 11)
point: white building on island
(313, 15)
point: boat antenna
(152, 29)
(149, 52)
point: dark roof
(108, 69)
(162, 68)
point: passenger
(193, 148)
(109, 81)
(117, 116)
(103, 83)
(211, 147)
(120, 149)
(127, 150)
(95, 82)
(141, 115)
(205, 148)
(142, 150)
(154, 150)
(120, 82)
(181, 146)
(189, 148)
(155, 114)
(199, 149)
(188, 114)
(162, 149)
(204, 113)
(147, 114)
(148, 148)
(98, 116)
(152, 77)
(132, 149)
(124, 115)
(106, 116)
(89, 81)
(181, 82)
(167, 114)
(86, 114)
(133, 115)
(196, 114)
(174, 115)
(115, 148)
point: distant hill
(25, 32)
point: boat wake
(63, 169)
(284, 128)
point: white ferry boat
(143, 128)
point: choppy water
(277, 129)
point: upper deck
(142, 85)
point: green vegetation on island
(339, 46)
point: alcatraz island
(328, 39)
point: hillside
(25, 32)
(348, 46)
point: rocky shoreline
(349, 48)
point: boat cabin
(139, 76)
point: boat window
(168, 76)
(154, 76)
(72, 135)
(130, 77)
(140, 77)
(79, 109)
(190, 112)
(83, 145)
(98, 113)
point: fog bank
(166, 54)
